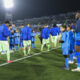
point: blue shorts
(78, 54)
(65, 52)
(77, 43)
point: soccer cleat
(76, 70)
(71, 62)
(10, 61)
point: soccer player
(45, 37)
(4, 45)
(70, 43)
(11, 39)
(54, 34)
(64, 46)
(26, 33)
(33, 39)
(16, 39)
(77, 42)
(21, 37)
(29, 38)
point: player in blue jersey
(33, 39)
(71, 43)
(54, 34)
(16, 39)
(64, 46)
(21, 37)
(11, 39)
(4, 45)
(45, 37)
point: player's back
(54, 31)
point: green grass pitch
(46, 66)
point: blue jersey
(49, 31)
(65, 45)
(45, 33)
(11, 38)
(33, 37)
(21, 30)
(4, 32)
(70, 40)
(16, 37)
(77, 36)
(54, 31)
(24, 33)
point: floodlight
(8, 3)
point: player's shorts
(27, 43)
(4, 46)
(54, 39)
(65, 52)
(45, 41)
(59, 36)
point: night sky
(36, 8)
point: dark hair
(54, 25)
(7, 22)
(10, 25)
(64, 26)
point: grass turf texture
(46, 66)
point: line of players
(25, 37)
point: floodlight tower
(8, 4)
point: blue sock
(71, 57)
(78, 61)
(74, 54)
(33, 45)
(66, 63)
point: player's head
(77, 15)
(13, 25)
(54, 25)
(22, 25)
(28, 24)
(16, 30)
(33, 31)
(63, 28)
(68, 28)
(7, 23)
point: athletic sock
(42, 46)
(71, 57)
(48, 47)
(29, 50)
(8, 55)
(24, 52)
(66, 63)
(78, 61)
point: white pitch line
(27, 57)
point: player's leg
(6, 48)
(29, 46)
(1, 43)
(65, 53)
(43, 44)
(77, 50)
(48, 44)
(55, 41)
(32, 44)
(24, 49)
(66, 62)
